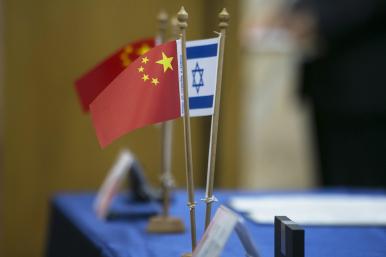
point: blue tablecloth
(75, 231)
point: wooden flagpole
(174, 27)
(165, 223)
(166, 130)
(224, 18)
(182, 23)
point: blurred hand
(300, 24)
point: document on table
(218, 232)
(328, 209)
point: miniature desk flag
(146, 92)
(202, 61)
(94, 81)
(149, 90)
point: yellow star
(143, 49)
(128, 49)
(125, 55)
(145, 77)
(154, 81)
(145, 60)
(141, 69)
(125, 59)
(166, 62)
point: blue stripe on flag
(201, 102)
(195, 52)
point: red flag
(93, 82)
(146, 92)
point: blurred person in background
(345, 85)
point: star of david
(199, 82)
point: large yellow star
(143, 49)
(166, 62)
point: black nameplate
(289, 238)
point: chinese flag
(93, 82)
(146, 92)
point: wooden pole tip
(224, 18)
(162, 16)
(182, 17)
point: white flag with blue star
(202, 62)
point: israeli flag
(202, 62)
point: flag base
(165, 224)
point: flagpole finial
(162, 19)
(162, 16)
(182, 18)
(224, 18)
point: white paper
(331, 209)
(217, 233)
(112, 182)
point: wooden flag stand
(209, 199)
(164, 223)
(182, 23)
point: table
(74, 230)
